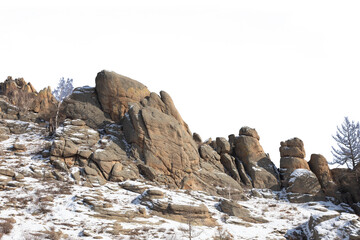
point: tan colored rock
(292, 154)
(107, 156)
(70, 148)
(151, 194)
(57, 148)
(292, 148)
(303, 181)
(319, 165)
(229, 164)
(19, 146)
(346, 179)
(197, 214)
(257, 164)
(83, 104)
(251, 132)
(90, 171)
(293, 163)
(210, 155)
(162, 140)
(234, 209)
(115, 92)
(121, 172)
(45, 102)
(215, 182)
(222, 145)
(7, 172)
(244, 177)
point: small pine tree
(63, 89)
(348, 143)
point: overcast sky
(287, 68)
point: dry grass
(222, 234)
(6, 225)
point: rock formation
(257, 164)
(83, 104)
(160, 138)
(292, 155)
(20, 101)
(132, 157)
(115, 92)
(303, 181)
(319, 165)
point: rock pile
(20, 101)
(295, 173)
(292, 153)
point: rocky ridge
(120, 137)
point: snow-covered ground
(42, 208)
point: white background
(287, 68)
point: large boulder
(303, 181)
(222, 145)
(319, 165)
(115, 92)
(234, 209)
(108, 154)
(160, 137)
(83, 104)
(292, 148)
(257, 164)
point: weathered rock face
(348, 183)
(251, 132)
(10, 85)
(160, 137)
(74, 140)
(292, 148)
(197, 214)
(234, 209)
(45, 103)
(83, 104)
(210, 155)
(222, 145)
(303, 181)
(292, 154)
(7, 110)
(115, 92)
(229, 163)
(102, 159)
(257, 164)
(23, 95)
(319, 165)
